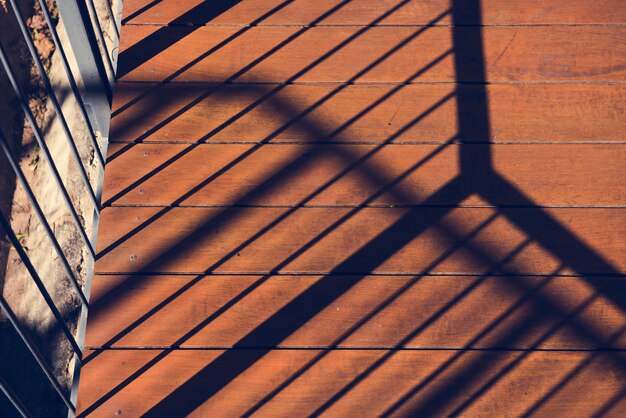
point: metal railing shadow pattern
(475, 161)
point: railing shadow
(574, 258)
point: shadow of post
(474, 135)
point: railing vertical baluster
(42, 218)
(100, 34)
(116, 26)
(89, 65)
(39, 358)
(55, 103)
(72, 81)
(6, 226)
(15, 401)
(42, 144)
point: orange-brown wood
(331, 175)
(364, 12)
(381, 240)
(363, 208)
(371, 54)
(354, 383)
(358, 113)
(377, 311)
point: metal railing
(89, 70)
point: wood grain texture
(364, 240)
(331, 175)
(359, 113)
(419, 382)
(376, 311)
(377, 54)
(363, 208)
(363, 12)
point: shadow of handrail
(475, 161)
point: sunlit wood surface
(363, 208)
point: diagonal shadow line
(577, 254)
(390, 183)
(162, 39)
(437, 401)
(517, 333)
(161, 167)
(416, 120)
(160, 104)
(256, 147)
(224, 43)
(277, 178)
(140, 11)
(601, 288)
(387, 302)
(189, 393)
(197, 389)
(512, 335)
(285, 42)
(297, 118)
(180, 391)
(193, 62)
(476, 160)
(114, 294)
(587, 335)
(350, 281)
(434, 404)
(359, 74)
(468, 49)
(570, 376)
(516, 362)
(606, 409)
(273, 92)
(484, 332)
(276, 90)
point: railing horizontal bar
(42, 217)
(42, 144)
(72, 80)
(4, 223)
(35, 352)
(15, 401)
(55, 103)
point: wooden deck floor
(363, 208)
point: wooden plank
(371, 113)
(341, 54)
(363, 12)
(363, 240)
(376, 311)
(332, 175)
(202, 383)
(473, 303)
